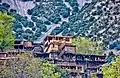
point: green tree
(112, 70)
(94, 75)
(86, 46)
(6, 35)
(28, 66)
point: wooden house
(58, 43)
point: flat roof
(59, 36)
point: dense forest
(95, 19)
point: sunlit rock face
(95, 19)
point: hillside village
(59, 39)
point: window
(50, 38)
(60, 38)
(67, 39)
(57, 38)
(53, 45)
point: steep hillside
(98, 20)
(105, 21)
(37, 18)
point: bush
(39, 23)
(19, 31)
(47, 22)
(73, 18)
(43, 28)
(6, 5)
(25, 36)
(3, 9)
(30, 24)
(58, 0)
(18, 17)
(12, 11)
(56, 31)
(29, 11)
(91, 18)
(34, 38)
(38, 33)
(17, 36)
(94, 13)
(24, 23)
(73, 3)
(33, 28)
(55, 18)
(65, 12)
(37, 0)
(28, 31)
(65, 25)
(27, 0)
(66, 0)
(65, 32)
(17, 25)
(59, 4)
(34, 19)
(75, 9)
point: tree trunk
(1, 49)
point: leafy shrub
(59, 4)
(47, 22)
(34, 19)
(73, 18)
(65, 12)
(6, 5)
(3, 9)
(12, 11)
(55, 18)
(73, 3)
(75, 9)
(33, 28)
(24, 23)
(29, 11)
(91, 18)
(56, 31)
(37, 0)
(19, 31)
(38, 33)
(30, 24)
(17, 25)
(65, 25)
(27, 0)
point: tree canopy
(86, 46)
(6, 34)
(112, 70)
(27, 66)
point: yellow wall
(56, 46)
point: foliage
(30, 24)
(34, 19)
(94, 75)
(112, 70)
(56, 31)
(55, 18)
(115, 45)
(6, 35)
(29, 67)
(110, 58)
(65, 12)
(13, 11)
(86, 46)
(47, 22)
